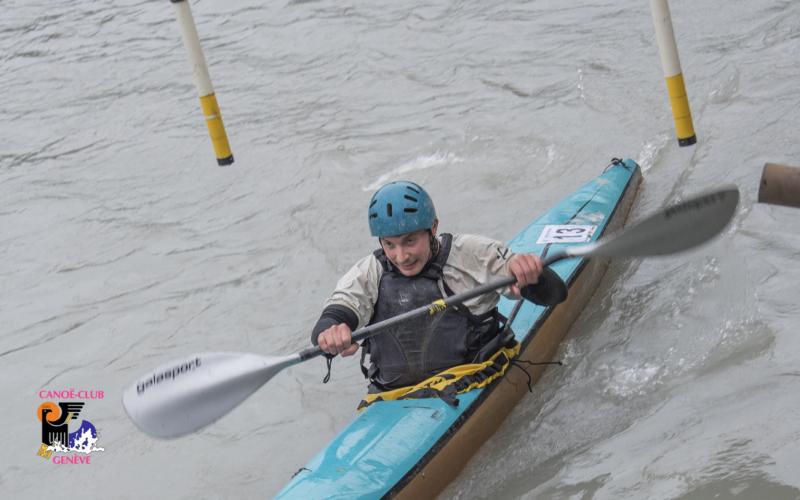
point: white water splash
(632, 381)
(651, 151)
(419, 163)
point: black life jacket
(419, 348)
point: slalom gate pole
(671, 65)
(202, 80)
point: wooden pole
(780, 185)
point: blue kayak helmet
(400, 207)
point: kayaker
(413, 267)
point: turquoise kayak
(414, 448)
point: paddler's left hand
(526, 268)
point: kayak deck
(414, 448)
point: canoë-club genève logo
(63, 440)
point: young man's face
(408, 252)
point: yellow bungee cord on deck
(455, 380)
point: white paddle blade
(673, 229)
(185, 395)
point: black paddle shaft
(430, 309)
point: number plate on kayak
(566, 234)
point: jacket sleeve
(334, 314)
(486, 259)
(353, 299)
(475, 260)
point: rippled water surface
(123, 245)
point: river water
(123, 245)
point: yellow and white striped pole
(671, 66)
(202, 80)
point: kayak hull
(415, 448)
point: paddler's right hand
(337, 340)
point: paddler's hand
(526, 268)
(337, 340)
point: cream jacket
(473, 260)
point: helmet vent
(373, 203)
(410, 210)
(410, 198)
(389, 209)
(412, 189)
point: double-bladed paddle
(187, 394)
